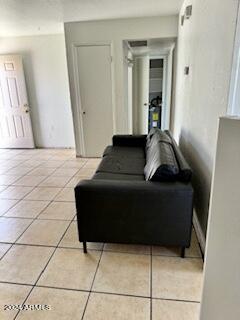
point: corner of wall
(199, 232)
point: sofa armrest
(108, 210)
(134, 187)
(141, 192)
(129, 140)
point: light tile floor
(41, 260)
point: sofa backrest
(185, 171)
(164, 160)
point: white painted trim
(80, 148)
(169, 72)
(199, 232)
(78, 122)
(234, 103)
(113, 88)
(167, 87)
(164, 96)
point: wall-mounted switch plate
(186, 70)
(188, 12)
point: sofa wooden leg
(84, 246)
(183, 252)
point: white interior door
(95, 86)
(15, 122)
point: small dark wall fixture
(182, 20)
(187, 14)
(186, 70)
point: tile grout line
(99, 259)
(19, 200)
(15, 242)
(26, 174)
(33, 219)
(37, 167)
(102, 251)
(34, 285)
(24, 198)
(62, 187)
(133, 253)
(85, 308)
(90, 249)
(72, 220)
(100, 292)
(39, 186)
(12, 184)
(11, 245)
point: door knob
(26, 107)
(84, 112)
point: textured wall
(205, 44)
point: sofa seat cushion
(122, 165)
(124, 152)
(117, 176)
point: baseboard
(199, 232)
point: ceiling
(31, 17)
(154, 47)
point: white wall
(114, 32)
(129, 89)
(205, 44)
(234, 94)
(221, 294)
(45, 67)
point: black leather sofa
(119, 205)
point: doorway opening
(156, 67)
(149, 77)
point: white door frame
(167, 87)
(234, 98)
(77, 109)
(130, 98)
(143, 93)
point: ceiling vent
(141, 43)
